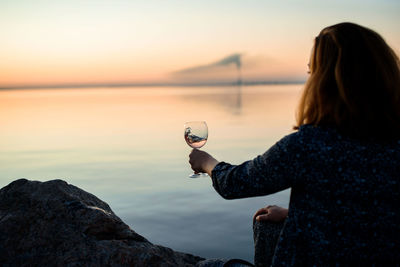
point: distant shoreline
(116, 85)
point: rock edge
(58, 224)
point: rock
(56, 224)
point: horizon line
(128, 84)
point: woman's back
(345, 199)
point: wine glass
(196, 134)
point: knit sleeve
(269, 173)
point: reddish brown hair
(354, 84)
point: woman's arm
(269, 173)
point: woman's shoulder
(323, 135)
(310, 133)
(315, 130)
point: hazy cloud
(234, 60)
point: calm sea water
(126, 146)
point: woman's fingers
(201, 161)
(263, 210)
(195, 160)
(263, 217)
(271, 213)
(259, 212)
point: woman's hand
(271, 213)
(201, 161)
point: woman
(343, 162)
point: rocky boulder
(56, 224)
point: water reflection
(238, 99)
(126, 146)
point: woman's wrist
(209, 165)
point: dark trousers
(266, 236)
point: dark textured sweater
(345, 196)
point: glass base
(198, 175)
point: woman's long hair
(354, 84)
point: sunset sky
(58, 42)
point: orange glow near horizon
(66, 118)
(73, 42)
